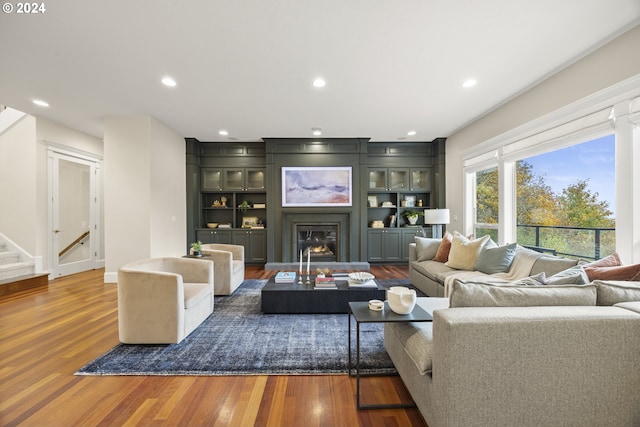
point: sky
(593, 161)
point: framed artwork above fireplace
(317, 186)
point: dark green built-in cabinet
(387, 179)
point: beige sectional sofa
(430, 276)
(521, 366)
(521, 338)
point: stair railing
(74, 243)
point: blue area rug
(237, 339)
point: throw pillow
(464, 252)
(612, 260)
(621, 272)
(535, 280)
(495, 259)
(615, 291)
(485, 295)
(426, 248)
(442, 255)
(571, 276)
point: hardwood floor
(48, 332)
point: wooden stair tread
(17, 284)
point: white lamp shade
(436, 216)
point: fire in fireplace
(320, 241)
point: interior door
(73, 214)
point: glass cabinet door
(420, 179)
(378, 179)
(211, 179)
(255, 179)
(398, 179)
(234, 179)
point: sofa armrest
(152, 302)
(413, 256)
(236, 250)
(533, 366)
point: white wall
(18, 175)
(144, 191)
(612, 63)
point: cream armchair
(228, 266)
(162, 300)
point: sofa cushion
(571, 276)
(426, 249)
(432, 269)
(194, 293)
(442, 255)
(497, 259)
(535, 280)
(464, 252)
(615, 291)
(551, 265)
(485, 295)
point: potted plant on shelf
(243, 206)
(196, 248)
(412, 215)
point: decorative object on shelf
(392, 220)
(419, 203)
(322, 272)
(243, 206)
(223, 201)
(401, 299)
(249, 221)
(372, 201)
(212, 224)
(216, 204)
(436, 218)
(409, 201)
(412, 215)
(377, 224)
(196, 248)
(225, 225)
(259, 205)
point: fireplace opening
(319, 241)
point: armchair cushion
(228, 265)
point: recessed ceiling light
(316, 131)
(40, 103)
(168, 81)
(319, 82)
(411, 133)
(469, 83)
(223, 133)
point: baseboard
(111, 277)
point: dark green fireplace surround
(359, 242)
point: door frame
(96, 258)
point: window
(565, 199)
(486, 209)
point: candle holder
(300, 278)
(308, 282)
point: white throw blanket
(520, 268)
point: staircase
(17, 275)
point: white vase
(412, 219)
(401, 300)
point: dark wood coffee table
(291, 298)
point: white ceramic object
(401, 299)
(361, 277)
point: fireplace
(318, 241)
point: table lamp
(436, 218)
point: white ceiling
(247, 65)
